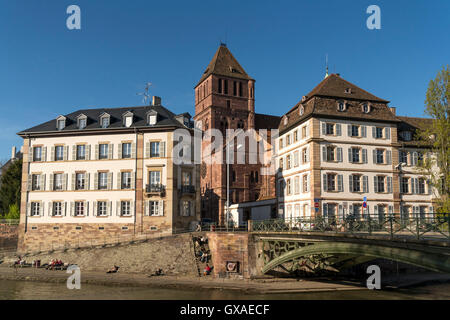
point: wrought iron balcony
(155, 188)
(187, 189)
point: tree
(436, 167)
(10, 186)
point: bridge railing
(430, 226)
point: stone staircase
(196, 248)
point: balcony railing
(187, 189)
(154, 188)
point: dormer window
(348, 90)
(152, 117)
(81, 121)
(341, 105)
(128, 119)
(60, 122)
(285, 121)
(365, 107)
(406, 135)
(301, 110)
(105, 120)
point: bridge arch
(432, 261)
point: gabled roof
(224, 64)
(165, 119)
(335, 86)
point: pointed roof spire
(224, 64)
(326, 63)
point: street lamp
(228, 180)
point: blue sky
(47, 70)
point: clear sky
(47, 70)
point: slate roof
(165, 119)
(265, 121)
(224, 64)
(412, 124)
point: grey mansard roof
(165, 119)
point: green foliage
(438, 136)
(10, 187)
(14, 212)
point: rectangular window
(82, 123)
(220, 85)
(289, 187)
(280, 143)
(355, 131)
(355, 155)
(380, 182)
(79, 208)
(187, 178)
(102, 180)
(297, 185)
(37, 154)
(295, 134)
(288, 139)
(186, 208)
(61, 124)
(57, 209)
(105, 122)
(35, 209)
(378, 133)
(330, 128)
(126, 180)
(102, 208)
(240, 89)
(225, 86)
(403, 157)
(305, 183)
(331, 182)
(103, 151)
(235, 88)
(125, 208)
(305, 155)
(404, 185)
(126, 150)
(356, 181)
(58, 181)
(155, 178)
(330, 153)
(154, 149)
(80, 181)
(288, 162)
(304, 132)
(36, 182)
(155, 208)
(81, 152)
(421, 186)
(59, 153)
(357, 211)
(380, 156)
(280, 165)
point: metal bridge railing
(422, 227)
(9, 222)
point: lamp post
(228, 180)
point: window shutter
(161, 207)
(88, 181)
(109, 208)
(50, 209)
(118, 208)
(64, 209)
(339, 154)
(374, 132)
(349, 130)
(389, 157)
(95, 209)
(350, 155)
(44, 154)
(364, 155)
(119, 151)
(110, 176)
(73, 181)
(391, 210)
(52, 177)
(307, 131)
(325, 209)
(162, 149)
(43, 182)
(96, 180)
(72, 209)
(110, 151)
(28, 209)
(375, 209)
(375, 184)
(96, 152)
(324, 153)
(374, 153)
(86, 205)
(350, 209)
(65, 181)
(30, 182)
(413, 185)
(389, 184)
(340, 211)
(340, 183)
(365, 184)
(307, 154)
(364, 131)
(430, 209)
(307, 183)
(387, 133)
(119, 180)
(31, 153)
(132, 208)
(350, 183)
(338, 129)
(74, 152)
(133, 150)
(147, 149)
(324, 182)
(324, 128)
(146, 208)
(42, 209)
(416, 181)
(88, 152)
(133, 180)
(52, 152)
(414, 158)
(429, 186)
(66, 153)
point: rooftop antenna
(326, 65)
(145, 94)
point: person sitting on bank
(203, 240)
(114, 269)
(207, 270)
(204, 257)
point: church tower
(225, 99)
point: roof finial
(326, 64)
(145, 94)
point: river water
(25, 290)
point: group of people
(54, 263)
(203, 254)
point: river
(25, 290)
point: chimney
(13, 153)
(393, 110)
(156, 101)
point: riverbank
(260, 286)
